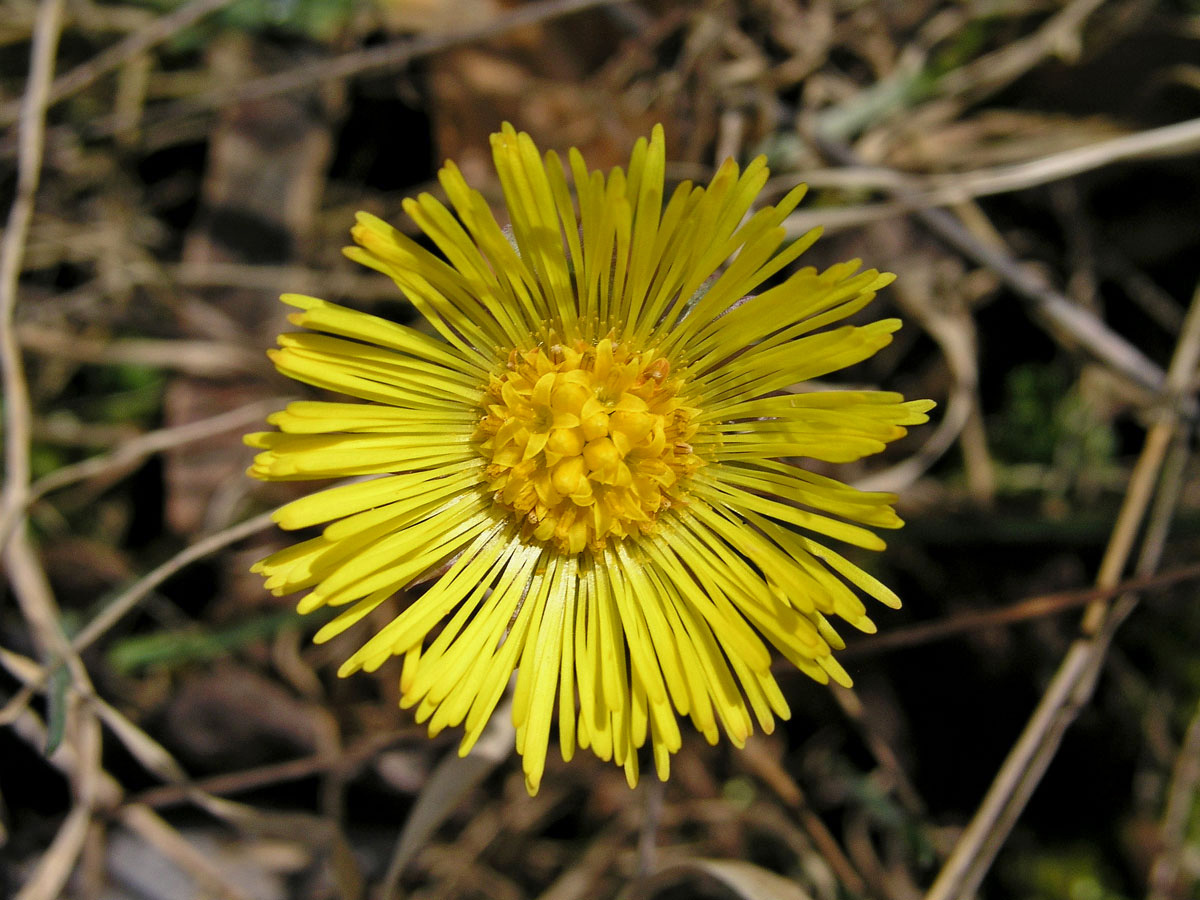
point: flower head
(596, 452)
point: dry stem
(1075, 679)
(155, 32)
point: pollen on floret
(586, 442)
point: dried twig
(928, 192)
(25, 574)
(452, 779)
(17, 414)
(157, 832)
(1075, 679)
(337, 283)
(1021, 611)
(1059, 35)
(653, 791)
(345, 760)
(1181, 798)
(954, 333)
(107, 794)
(134, 450)
(204, 358)
(129, 598)
(126, 601)
(111, 58)
(889, 762)
(50, 875)
(1048, 303)
(375, 59)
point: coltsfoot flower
(597, 451)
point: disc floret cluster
(587, 441)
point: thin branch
(343, 760)
(207, 874)
(992, 71)
(49, 876)
(134, 450)
(32, 136)
(340, 282)
(119, 53)
(194, 357)
(25, 574)
(1075, 679)
(1022, 611)
(137, 449)
(54, 868)
(1178, 139)
(129, 598)
(922, 193)
(387, 57)
(108, 794)
(1048, 303)
(1181, 797)
(956, 339)
(653, 791)
(126, 601)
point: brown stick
(1075, 679)
(111, 58)
(376, 59)
(1031, 608)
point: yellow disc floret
(586, 441)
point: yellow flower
(596, 453)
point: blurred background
(1029, 169)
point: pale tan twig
(204, 358)
(1178, 139)
(56, 864)
(127, 600)
(25, 574)
(766, 767)
(1059, 35)
(108, 794)
(954, 333)
(383, 58)
(1048, 303)
(1090, 656)
(1075, 679)
(902, 87)
(32, 133)
(158, 833)
(906, 792)
(1181, 798)
(152, 755)
(136, 449)
(928, 192)
(111, 58)
(585, 869)
(339, 283)
(452, 779)
(1158, 305)
(953, 420)
(346, 760)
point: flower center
(586, 442)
